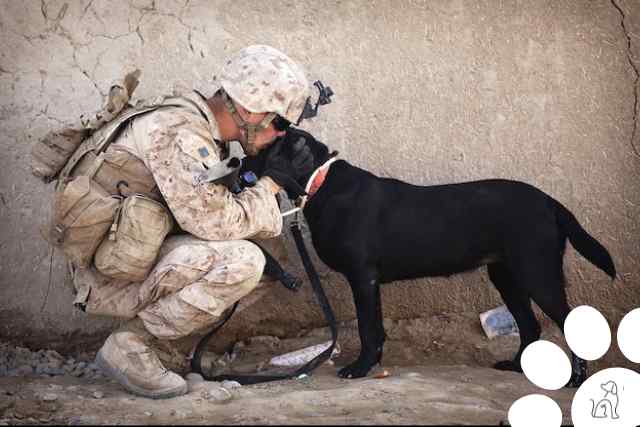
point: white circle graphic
(629, 335)
(587, 332)
(546, 365)
(608, 398)
(535, 410)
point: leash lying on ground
(291, 283)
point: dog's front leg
(366, 295)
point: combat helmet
(264, 80)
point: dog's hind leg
(366, 295)
(517, 301)
(552, 300)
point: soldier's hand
(289, 164)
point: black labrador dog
(376, 230)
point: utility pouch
(83, 212)
(119, 172)
(134, 240)
(52, 152)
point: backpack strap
(103, 137)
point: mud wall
(429, 92)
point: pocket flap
(73, 192)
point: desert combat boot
(127, 357)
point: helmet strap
(250, 130)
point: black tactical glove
(287, 163)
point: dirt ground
(439, 394)
(439, 373)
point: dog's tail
(583, 242)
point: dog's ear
(319, 150)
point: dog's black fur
(375, 230)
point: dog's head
(319, 150)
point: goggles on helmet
(324, 97)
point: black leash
(292, 284)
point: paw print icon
(610, 397)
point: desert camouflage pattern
(201, 274)
(198, 281)
(177, 144)
(264, 80)
(194, 282)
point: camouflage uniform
(202, 273)
(199, 275)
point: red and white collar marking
(314, 176)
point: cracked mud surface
(634, 65)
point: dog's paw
(508, 365)
(355, 370)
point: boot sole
(124, 382)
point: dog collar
(312, 179)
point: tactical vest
(107, 207)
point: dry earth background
(426, 91)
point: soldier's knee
(254, 256)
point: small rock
(98, 395)
(194, 377)
(148, 414)
(178, 414)
(230, 385)
(54, 355)
(77, 372)
(217, 395)
(49, 397)
(55, 363)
